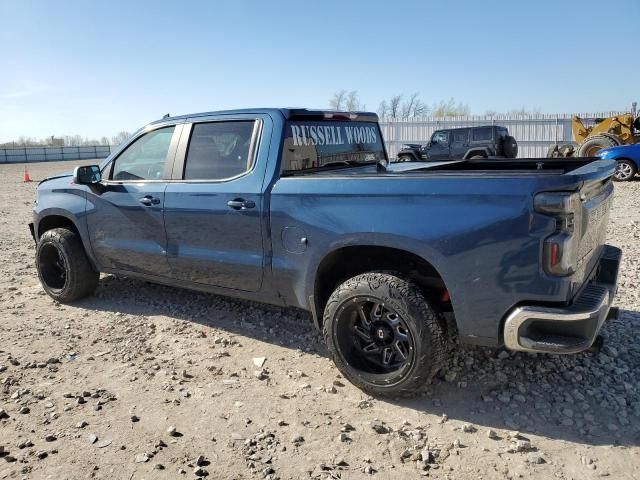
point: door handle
(241, 204)
(148, 200)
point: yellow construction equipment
(607, 132)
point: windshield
(330, 144)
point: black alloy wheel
(373, 337)
(383, 335)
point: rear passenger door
(459, 142)
(214, 207)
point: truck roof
(287, 113)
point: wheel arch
(348, 261)
(57, 218)
(408, 153)
(629, 159)
(476, 150)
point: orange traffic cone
(27, 178)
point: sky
(96, 68)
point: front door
(439, 146)
(125, 211)
(214, 214)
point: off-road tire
(425, 325)
(80, 279)
(510, 147)
(625, 170)
(591, 146)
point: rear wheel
(625, 170)
(383, 335)
(63, 267)
(510, 147)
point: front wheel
(63, 267)
(624, 171)
(383, 335)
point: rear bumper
(569, 329)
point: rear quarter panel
(480, 233)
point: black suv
(489, 141)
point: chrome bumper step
(568, 329)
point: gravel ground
(146, 381)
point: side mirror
(88, 175)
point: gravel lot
(146, 381)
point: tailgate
(596, 197)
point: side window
(440, 137)
(144, 159)
(219, 150)
(461, 136)
(482, 134)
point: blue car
(628, 158)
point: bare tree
(420, 109)
(414, 107)
(383, 109)
(121, 137)
(352, 102)
(65, 141)
(450, 109)
(72, 140)
(338, 100)
(394, 106)
(407, 106)
(522, 111)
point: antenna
(166, 115)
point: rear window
(482, 134)
(309, 145)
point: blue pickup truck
(302, 208)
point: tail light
(560, 252)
